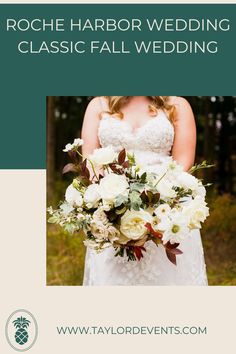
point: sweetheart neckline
(134, 131)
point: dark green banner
(70, 50)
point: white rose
(103, 156)
(133, 224)
(196, 211)
(164, 187)
(92, 195)
(187, 181)
(73, 196)
(200, 191)
(113, 185)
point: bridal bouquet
(125, 206)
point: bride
(153, 128)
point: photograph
(141, 190)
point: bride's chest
(157, 134)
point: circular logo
(21, 330)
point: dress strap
(103, 105)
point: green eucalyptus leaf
(137, 186)
(135, 200)
(120, 199)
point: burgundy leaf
(114, 168)
(70, 167)
(121, 157)
(149, 195)
(152, 231)
(175, 251)
(85, 181)
(126, 164)
(86, 173)
(155, 198)
(171, 245)
(84, 169)
(171, 256)
(138, 250)
(144, 197)
(83, 165)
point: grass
(65, 257)
(65, 253)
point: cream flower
(77, 142)
(196, 211)
(100, 216)
(113, 185)
(92, 196)
(73, 196)
(103, 156)
(99, 230)
(113, 234)
(133, 224)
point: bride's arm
(184, 146)
(89, 132)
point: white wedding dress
(151, 145)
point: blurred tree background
(216, 127)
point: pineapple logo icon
(21, 336)
(21, 330)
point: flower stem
(91, 163)
(160, 179)
(93, 168)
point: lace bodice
(150, 142)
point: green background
(26, 80)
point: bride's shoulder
(182, 110)
(178, 101)
(180, 104)
(98, 104)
